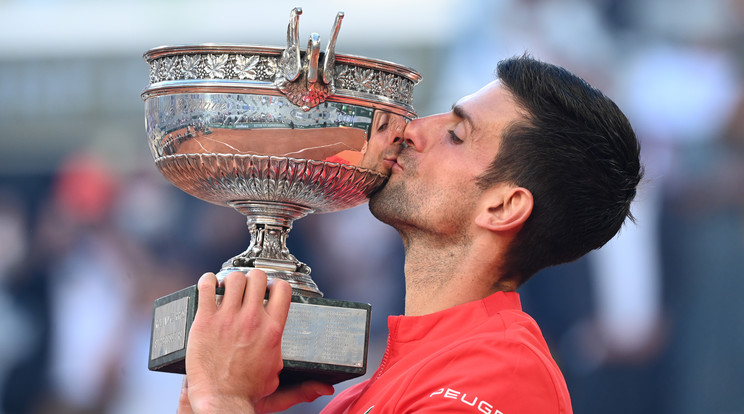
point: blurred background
(91, 234)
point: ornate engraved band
(354, 78)
(223, 178)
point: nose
(388, 130)
(413, 135)
(397, 126)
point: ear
(504, 208)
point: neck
(442, 275)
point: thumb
(184, 406)
(287, 397)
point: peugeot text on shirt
(473, 401)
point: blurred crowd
(651, 323)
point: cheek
(455, 174)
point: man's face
(384, 141)
(432, 186)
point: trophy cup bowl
(275, 133)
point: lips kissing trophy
(275, 133)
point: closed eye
(454, 138)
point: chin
(388, 204)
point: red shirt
(485, 356)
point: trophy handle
(269, 224)
(297, 80)
(290, 60)
(330, 53)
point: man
(535, 169)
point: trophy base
(324, 339)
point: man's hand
(233, 356)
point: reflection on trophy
(275, 133)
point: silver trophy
(275, 133)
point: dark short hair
(577, 154)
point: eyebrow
(460, 112)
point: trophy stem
(269, 224)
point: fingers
(280, 295)
(311, 390)
(288, 397)
(246, 290)
(235, 283)
(207, 285)
(184, 405)
(255, 290)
